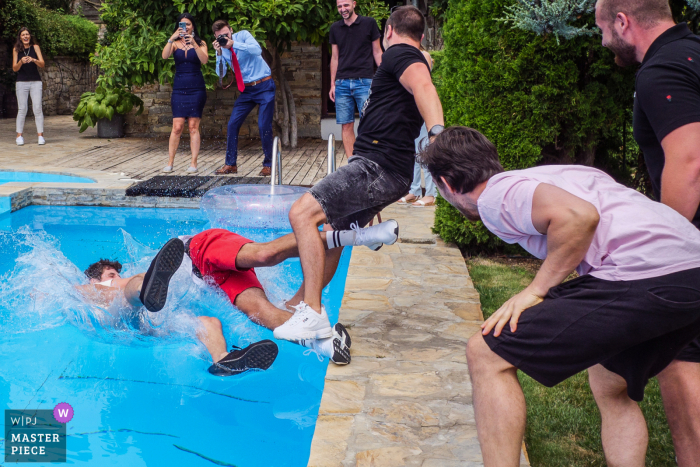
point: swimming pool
(145, 400)
(7, 176)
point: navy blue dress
(189, 91)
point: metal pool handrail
(331, 153)
(276, 161)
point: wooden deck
(143, 158)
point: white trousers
(24, 90)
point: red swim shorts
(214, 253)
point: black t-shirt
(28, 71)
(390, 121)
(355, 58)
(667, 96)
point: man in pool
(225, 259)
(150, 290)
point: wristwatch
(170, 41)
(435, 130)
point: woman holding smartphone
(26, 57)
(189, 92)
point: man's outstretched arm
(416, 79)
(569, 223)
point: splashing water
(40, 293)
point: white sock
(338, 238)
(323, 346)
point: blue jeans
(349, 92)
(421, 143)
(263, 95)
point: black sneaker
(260, 355)
(154, 290)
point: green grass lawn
(563, 423)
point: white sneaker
(42, 140)
(384, 233)
(192, 169)
(305, 324)
(168, 168)
(336, 348)
(20, 141)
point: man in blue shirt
(259, 90)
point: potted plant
(106, 108)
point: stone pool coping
(108, 190)
(406, 398)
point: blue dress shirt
(249, 55)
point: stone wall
(65, 80)
(302, 68)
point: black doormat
(176, 186)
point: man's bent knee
(307, 209)
(480, 357)
(605, 383)
(210, 322)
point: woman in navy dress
(189, 92)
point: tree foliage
(138, 30)
(56, 32)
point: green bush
(537, 100)
(57, 33)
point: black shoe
(154, 290)
(340, 332)
(260, 355)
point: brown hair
(646, 12)
(95, 270)
(19, 46)
(218, 25)
(408, 21)
(463, 156)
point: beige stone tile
(330, 440)
(371, 283)
(412, 414)
(386, 457)
(383, 273)
(351, 315)
(360, 367)
(407, 384)
(464, 330)
(468, 311)
(371, 259)
(342, 397)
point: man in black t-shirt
(355, 49)
(381, 171)
(667, 128)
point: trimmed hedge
(537, 100)
(57, 33)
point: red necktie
(237, 71)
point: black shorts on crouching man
(357, 192)
(633, 328)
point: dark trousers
(263, 95)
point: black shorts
(357, 192)
(633, 328)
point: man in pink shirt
(633, 309)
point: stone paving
(406, 398)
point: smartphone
(183, 26)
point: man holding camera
(243, 54)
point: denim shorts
(357, 192)
(349, 92)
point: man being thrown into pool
(226, 259)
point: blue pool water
(6, 176)
(146, 400)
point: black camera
(222, 39)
